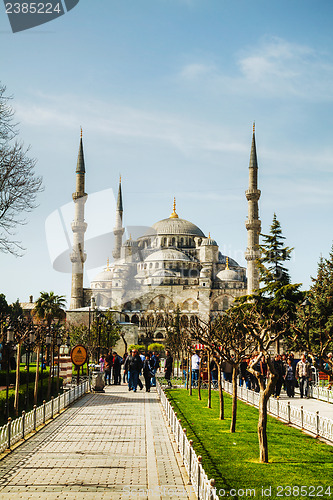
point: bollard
(44, 411)
(288, 407)
(23, 424)
(52, 403)
(35, 417)
(212, 489)
(199, 465)
(317, 423)
(190, 464)
(9, 427)
(302, 416)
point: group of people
(133, 364)
(291, 373)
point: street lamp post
(59, 342)
(10, 340)
(30, 342)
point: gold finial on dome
(119, 178)
(254, 127)
(174, 215)
(209, 234)
(108, 264)
(81, 133)
(227, 263)
(130, 238)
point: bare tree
(19, 185)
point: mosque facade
(173, 267)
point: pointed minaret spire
(118, 230)
(253, 224)
(79, 227)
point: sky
(166, 92)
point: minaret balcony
(252, 194)
(253, 224)
(76, 196)
(79, 227)
(252, 254)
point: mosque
(173, 267)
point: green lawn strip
(295, 459)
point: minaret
(79, 227)
(253, 224)
(118, 230)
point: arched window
(225, 303)
(128, 306)
(215, 306)
(185, 306)
(156, 265)
(135, 319)
(138, 305)
(195, 306)
(173, 242)
(127, 320)
(151, 305)
(171, 306)
(161, 302)
(159, 335)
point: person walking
(116, 369)
(153, 364)
(133, 364)
(108, 367)
(147, 372)
(289, 377)
(303, 375)
(168, 364)
(195, 365)
(125, 377)
(280, 371)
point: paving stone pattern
(114, 445)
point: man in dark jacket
(116, 368)
(133, 364)
(168, 367)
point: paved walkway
(325, 409)
(106, 446)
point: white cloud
(275, 68)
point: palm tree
(49, 307)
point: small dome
(208, 242)
(165, 255)
(228, 275)
(105, 275)
(130, 243)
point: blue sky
(166, 92)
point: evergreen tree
(274, 254)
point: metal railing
(16, 430)
(201, 485)
(321, 393)
(294, 415)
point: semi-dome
(166, 254)
(208, 242)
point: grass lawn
(295, 459)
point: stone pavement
(325, 409)
(114, 445)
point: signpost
(79, 357)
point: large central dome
(177, 226)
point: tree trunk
(17, 381)
(220, 393)
(209, 402)
(189, 376)
(199, 381)
(234, 398)
(262, 427)
(37, 375)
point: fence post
(302, 417)
(178, 433)
(44, 411)
(317, 423)
(212, 489)
(199, 465)
(9, 427)
(52, 403)
(174, 425)
(23, 424)
(278, 408)
(190, 464)
(58, 402)
(288, 412)
(35, 417)
(184, 442)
